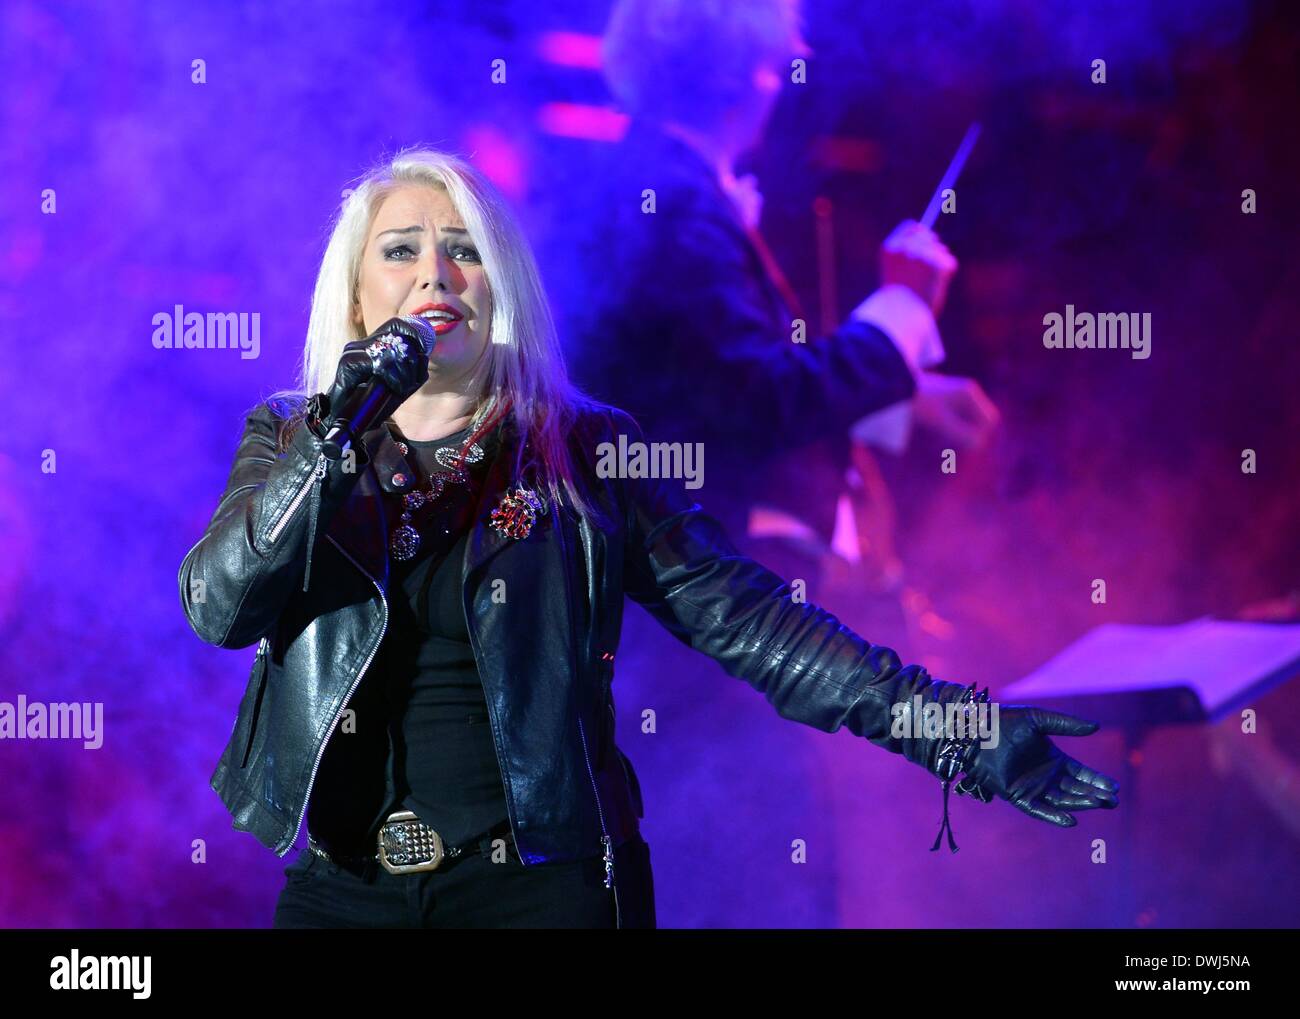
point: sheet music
(1218, 659)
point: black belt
(406, 845)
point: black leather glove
(1027, 770)
(400, 363)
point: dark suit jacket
(672, 316)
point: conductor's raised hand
(914, 256)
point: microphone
(372, 401)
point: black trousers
(472, 892)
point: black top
(422, 738)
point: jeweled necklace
(404, 542)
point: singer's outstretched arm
(681, 566)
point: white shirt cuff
(901, 315)
(888, 429)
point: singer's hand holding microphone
(375, 376)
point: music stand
(1135, 678)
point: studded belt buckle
(407, 845)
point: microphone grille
(422, 331)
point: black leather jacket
(545, 653)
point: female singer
(432, 553)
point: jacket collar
(361, 526)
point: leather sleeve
(681, 566)
(235, 582)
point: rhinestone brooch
(517, 512)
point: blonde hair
(522, 376)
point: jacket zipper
(298, 497)
(606, 846)
(604, 839)
(351, 690)
(258, 662)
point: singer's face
(418, 255)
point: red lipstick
(443, 323)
